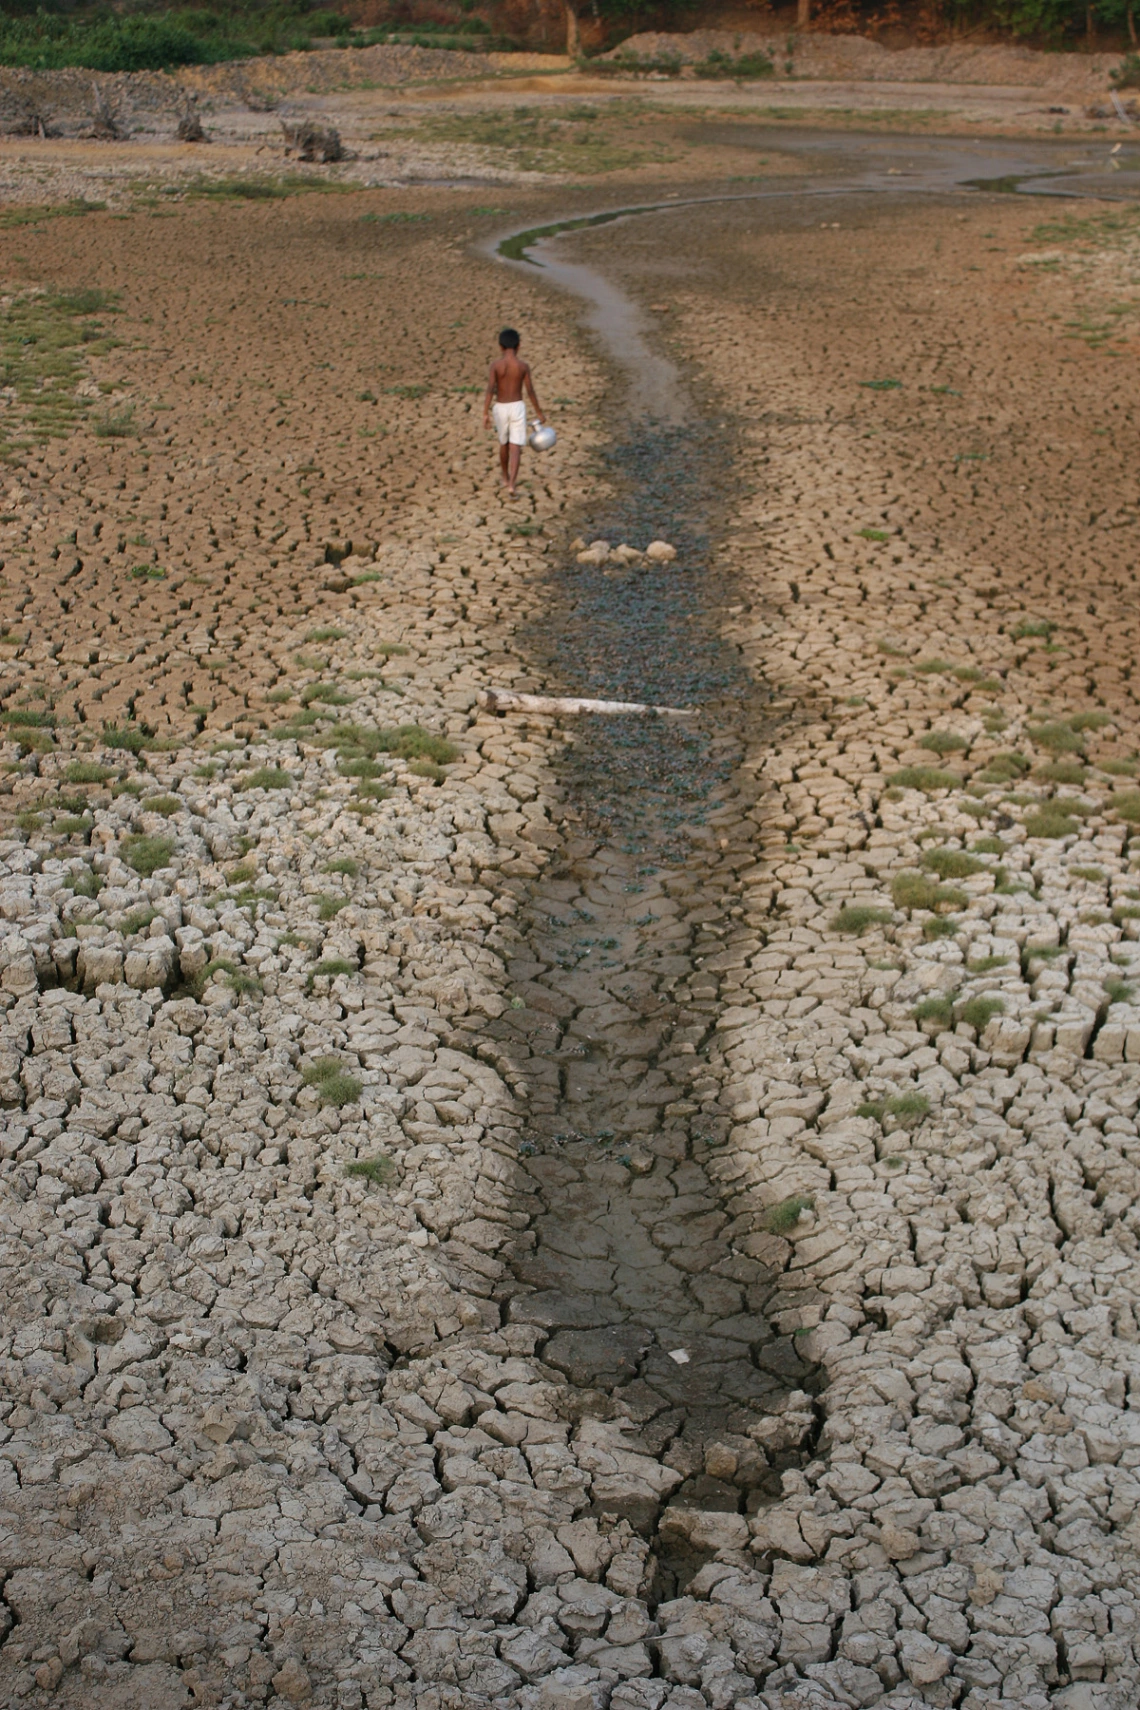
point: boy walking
(508, 380)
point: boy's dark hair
(508, 339)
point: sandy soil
(504, 1212)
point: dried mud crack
(544, 1215)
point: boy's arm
(489, 394)
(528, 383)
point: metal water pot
(542, 437)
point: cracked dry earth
(633, 1215)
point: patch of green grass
(328, 633)
(871, 1110)
(378, 1170)
(120, 424)
(855, 918)
(277, 697)
(146, 854)
(1062, 772)
(881, 385)
(1117, 990)
(937, 1010)
(329, 968)
(138, 921)
(165, 805)
(988, 846)
(1126, 806)
(1117, 768)
(328, 907)
(267, 778)
(428, 769)
(390, 649)
(244, 983)
(1092, 874)
(979, 1012)
(577, 140)
(1004, 769)
(132, 738)
(82, 882)
(242, 874)
(71, 824)
(873, 534)
(328, 693)
(952, 863)
(934, 667)
(915, 890)
(1055, 738)
(334, 1085)
(412, 742)
(1027, 629)
(924, 778)
(941, 926)
(782, 1218)
(1050, 820)
(345, 864)
(86, 772)
(943, 742)
(908, 1108)
(364, 767)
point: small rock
(292, 1682)
(660, 552)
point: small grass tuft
(1126, 806)
(1117, 990)
(132, 738)
(979, 1012)
(986, 964)
(165, 805)
(1050, 820)
(943, 742)
(915, 890)
(329, 906)
(333, 1084)
(378, 1170)
(941, 926)
(937, 1010)
(328, 633)
(908, 1108)
(1028, 629)
(988, 846)
(412, 742)
(782, 1218)
(146, 854)
(329, 969)
(1004, 769)
(1056, 738)
(86, 772)
(345, 865)
(855, 918)
(267, 778)
(924, 778)
(952, 863)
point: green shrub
(146, 854)
(378, 1170)
(941, 926)
(86, 772)
(943, 742)
(952, 863)
(986, 964)
(428, 769)
(915, 890)
(84, 883)
(934, 667)
(329, 633)
(780, 1219)
(327, 693)
(745, 68)
(362, 768)
(979, 1012)
(118, 425)
(267, 778)
(1127, 74)
(855, 918)
(924, 778)
(329, 907)
(165, 805)
(344, 865)
(872, 1110)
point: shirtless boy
(508, 380)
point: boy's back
(510, 374)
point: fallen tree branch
(506, 700)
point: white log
(506, 700)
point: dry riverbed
(500, 1214)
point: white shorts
(510, 422)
